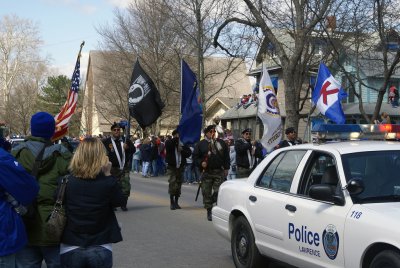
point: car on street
(322, 204)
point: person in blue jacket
(17, 189)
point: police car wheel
(244, 251)
(387, 259)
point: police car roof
(346, 147)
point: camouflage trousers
(242, 172)
(210, 183)
(175, 180)
(123, 179)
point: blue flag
(327, 95)
(190, 124)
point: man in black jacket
(246, 154)
(211, 155)
(120, 152)
(291, 139)
(176, 154)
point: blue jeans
(197, 173)
(90, 257)
(145, 168)
(32, 257)
(154, 168)
(187, 175)
(136, 165)
(7, 261)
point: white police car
(318, 205)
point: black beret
(290, 130)
(115, 125)
(246, 130)
(207, 129)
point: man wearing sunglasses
(246, 154)
(120, 152)
(211, 155)
(291, 139)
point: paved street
(155, 236)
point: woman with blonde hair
(90, 197)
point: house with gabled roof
(370, 70)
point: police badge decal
(330, 239)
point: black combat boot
(124, 208)
(176, 202)
(209, 217)
(172, 206)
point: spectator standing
(54, 164)
(161, 157)
(90, 196)
(246, 154)
(394, 96)
(232, 156)
(154, 156)
(17, 187)
(385, 118)
(120, 152)
(136, 157)
(211, 155)
(145, 154)
(176, 159)
(188, 174)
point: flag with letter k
(327, 95)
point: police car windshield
(380, 173)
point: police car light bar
(326, 132)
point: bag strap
(61, 191)
(38, 160)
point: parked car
(316, 205)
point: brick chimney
(331, 23)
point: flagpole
(180, 103)
(311, 109)
(80, 49)
(262, 68)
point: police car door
(314, 228)
(266, 203)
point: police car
(330, 204)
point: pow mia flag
(144, 100)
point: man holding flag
(268, 112)
(327, 95)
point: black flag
(144, 100)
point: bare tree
(386, 21)
(22, 102)
(197, 22)
(160, 33)
(286, 29)
(19, 43)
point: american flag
(62, 119)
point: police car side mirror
(325, 192)
(355, 186)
